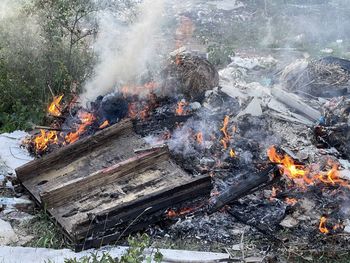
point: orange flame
(290, 169)
(322, 226)
(86, 119)
(42, 141)
(226, 139)
(104, 124)
(199, 137)
(298, 172)
(55, 107)
(332, 177)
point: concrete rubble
(14, 207)
(42, 255)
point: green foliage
(93, 258)
(46, 233)
(219, 55)
(135, 253)
(42, 44)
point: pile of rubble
(226, 133)
(16, 208)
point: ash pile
(277, 148)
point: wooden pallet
(98, 189)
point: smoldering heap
(228, 130)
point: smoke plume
(124, 52)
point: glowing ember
(291, 201)
(55, 108)
(226, 139)
(232, 153)
(199, 138)
(180, 110)
(132, 111)
(86, 120)
(166, 135)
(184, 211)
(104, 124)
(43, 140)
(301, 174)
(322, 226)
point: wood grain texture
(65, 192)
(67, 154)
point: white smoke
(124, 53)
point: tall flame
(55, 107)
(226, 139)
(322, 225)
(86, 120)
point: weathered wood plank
(67, 191)
(244, 187)
(102, 157)
(118, 219)
(71, 152)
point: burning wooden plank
(98, 186)
(72, 152)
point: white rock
(253, 109)
(347, 227)
(327, 50)
(345, 174)
(7, 234)
(344, 163)
(195, 105)
(289, 222)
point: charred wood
(71, 152)
(159, 123)
(151, 148)
(243, 187)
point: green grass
(46, 233)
